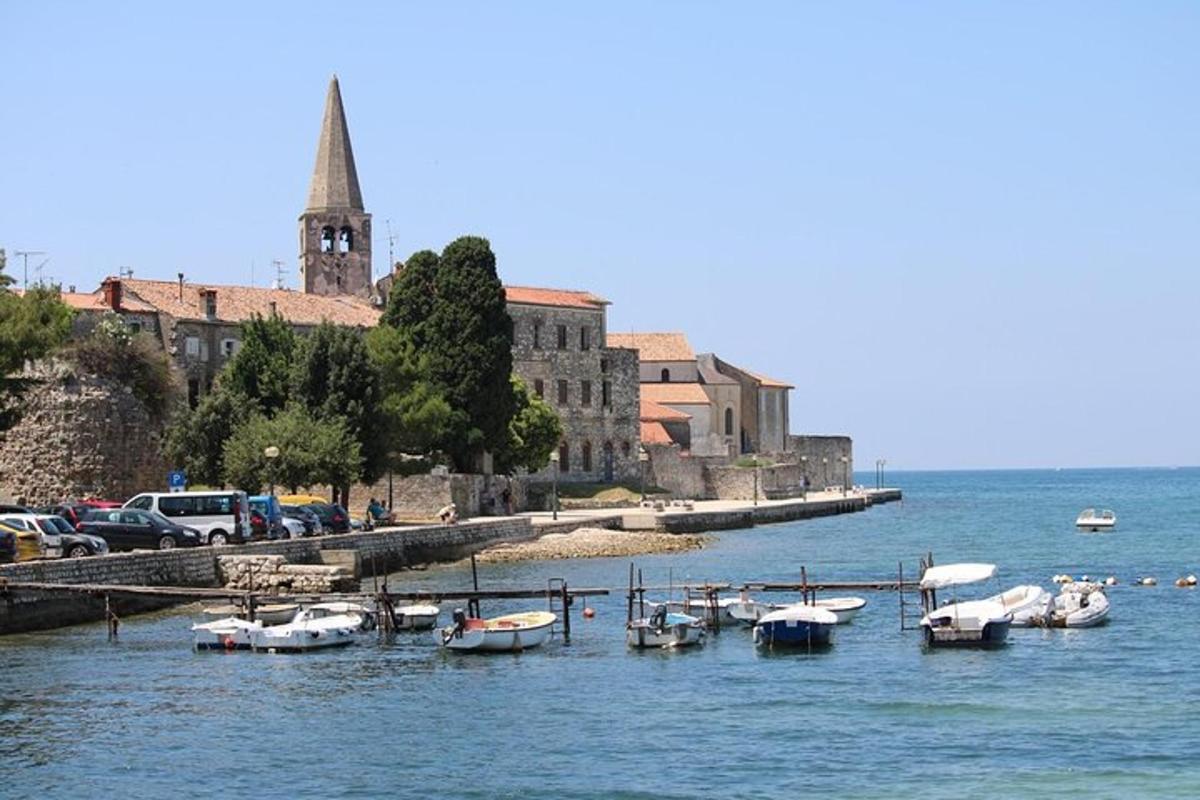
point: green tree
(262, 367)
(414, 413)
(468, 340)
(312, 451)
(410, 303)
(32, 325)
(196, 437)
(335, 378)
(533, 433)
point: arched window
(327, 239)
(666, 375)
(587, 456)
(625, 449)
(729, 422)
(564, 457)
(345, 240)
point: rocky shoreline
(592, 543)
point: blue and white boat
(664, 629)
(796, 626)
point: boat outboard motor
(658, 620)
(460, 621)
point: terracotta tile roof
(657, 412)
(771, 383)
(239, 303)
(563, 298)
(674, 393)
(82, 301)
(655, 433)
(655, 346)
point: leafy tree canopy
(262, 367)
(414, 413)
(196, 438)
(32, 325)
(311, 450)
(533, 433)
(410, 302)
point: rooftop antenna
(391, 246)
(40, 281)
(25, 254)
(125, 272)
(279, 272)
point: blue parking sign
(177, 480)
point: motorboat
(511, 633)
(974, 623)
(797, 625)
(731, 611)
(317, 627)
(416, 618)
(844, 608)
(229, 633)
(268, 614)
(1092, 520)
(1079, 605)
(664, 628)
(1028, 604)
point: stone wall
(80, 436)
(820, 458)
(420, 497)
(680, 474)
(773, 482)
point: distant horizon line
(1032, 469)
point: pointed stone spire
(335, 180)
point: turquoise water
(1110, 712)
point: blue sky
(967, 232)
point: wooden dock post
(473, 603)
(566, 604)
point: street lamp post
(554, 502)
(643, 458)
(271, 452)
(882, 464)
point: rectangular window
(191, 346)
(135, 327)
(606, 394)
(604, 365)
(229, 347)
(562, 393)
(562, 337)
(537, 336)
(585, 393)
(585, 338)
(203, 350)
(539, 387)
(587, 456)
(564, 457)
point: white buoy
(1111, 580)
(1191, 580)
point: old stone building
(559, 351)
(335, 231)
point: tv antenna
(25, 254)
(279, 272)
(125, 272)
(391, 247)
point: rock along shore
(591, 543)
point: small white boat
(799, 625)
(270, 614)
(230, 633)
(511, 633)
(697, 607)
(975, 623)
(1092, 520)
(317, 627)
(1079, 605)
(416, 618)
(664, 629)
(844, 608)
(1029, 605)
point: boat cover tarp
(956, 575)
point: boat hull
(844, 608)
(416, 618)
(793, 633)
(678, 630)
(510, 634)
(301, 640)
(224, 634)
(992, 634)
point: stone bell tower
(335, 232)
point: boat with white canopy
(1094, 521)
(972, 623)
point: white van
(222, 517)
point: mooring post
(473, 603)
(566, 604)
(900, 590)
(111, 618)
(629, 610)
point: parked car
(311, 522)
(268, 506)
(333, 516)
(48, 538)
(11, 509)
(8, 544)
(131, 528)
(74, 543)
(220, 517)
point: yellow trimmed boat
(510, 633)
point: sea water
(1105, 712)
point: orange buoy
(589, 612)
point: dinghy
(844, 608)
(796, 626)
(416, 618)
(1079, 605)
(975, 623)
(320, 626)
(1029, 605)
(664, 629)
(511, 633)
